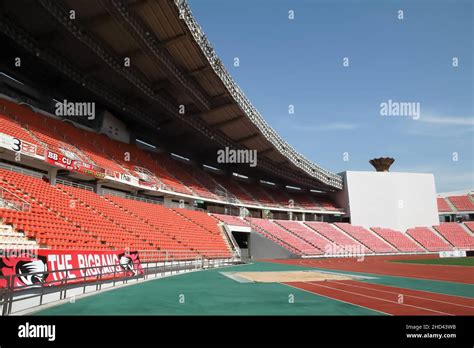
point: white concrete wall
(389, 199)
(115, 128)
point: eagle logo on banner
(24, 266)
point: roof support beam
(174, 40)
(226, 122)
(264, 152)
(199, 70)
(215, 109)
(247, 138)
(66, 68)
(102, 17)
(161, 84)
(56, 9)
(151, 45)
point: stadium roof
(86, 44)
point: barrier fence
(38, 291)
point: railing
(231, 239)
(21, 170)
(125, 195)
(10, 200)
(17, 299)
(73, 184)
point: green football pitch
(210, 292)
(448, 261)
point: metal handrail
(73, 184)
(165, 262)
(17, 203)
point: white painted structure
(389, 199)
(115, 128)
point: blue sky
(337, 109)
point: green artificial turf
(211, 293)
(447, 261)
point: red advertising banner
(59, 160)
(64, 162)
(54, 266)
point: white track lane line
(335, 299)
(381, 299)
(406, 295)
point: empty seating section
(327, 204)
(178, 169)
(429, 239)
(456, 235)
(258, 193)
(443, 206)
(337, 236)
(462, 203)
(215, 236)
(367, 238)
(116, 157)
(398, 239)
(180, 233)
(283, 237)
(13, 129)
(280, 197)
(305, 201)
(64, 217)
(308, 235)
(138, 235)
(151, 162)
(93, 225)
(231, 220)
(40, 223)
(234, 188)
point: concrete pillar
(98, 189)
(52, 173)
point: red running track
(388, 299)
(383, 265)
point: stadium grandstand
(112, 117)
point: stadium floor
(211, 292)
